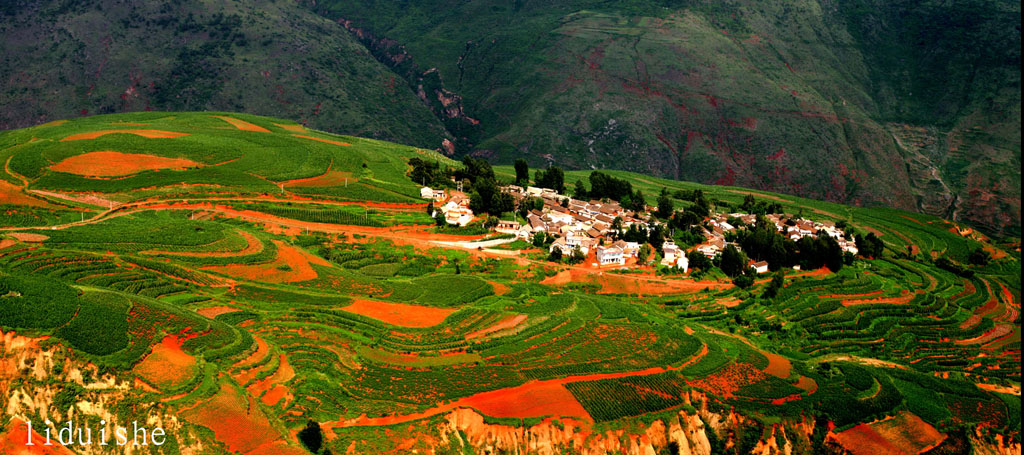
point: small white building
(428, 193)
(760, 266)
(608, 255)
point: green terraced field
(366, 322)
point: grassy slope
(231, 160)
(63, 59)
(712, 92)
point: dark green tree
(312, 436)
(733, 261)
(522, 172)
(665, 205)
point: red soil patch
(53, 123)
(1000, 330)
(807, 384)
(292, 128)
(28, 237)
(253, 245)
(83, 198)
(614, 283)
(238, 422)
(901, 300)
(291, 265)
(214, 311)
(151, 134)
(778, 365)
(5, 243)
(242, 124)
(283, 374)
(327, 179)
(13, 441)
(167, 366)
(904, 434)
(506, 323)
(129, 123)
(12, 195)
(498, 400)
(321, 140)
(866, 294)
(499, 289)
(113, 164)
(727, 381)
(528, 400)
(400, 314)
(274, 395)
(256, 356)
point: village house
(760, 266)
(428, 193)
(507, 227)
(608, 255)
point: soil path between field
(489, 398)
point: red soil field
(256, 356)
(28, 236)
(237, 422)
(998, 331)
(84, 198)
(290, 266)
(114, 164)
(167, 366)
(836, 296)
(13, 441)
(904, 434)
(292, 128)
(12, 195)
(497, 399)
(328, 178)
(283, 374)
(274, 395)
(4, 243)
(901, 300)
(614, 283)
(506, 323)
(400, 314)
(499, 289)
(214, 311)
(321, 140)
(528, 401)
(253, 246)
(778, 365)
(807, 384)
(242, 124)
(727, 381)
(151, 134)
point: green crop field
(219, 283)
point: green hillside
(271, 157)
(65, 59)
(914, 105)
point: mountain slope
(62, 59)
(812, 97)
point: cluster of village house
(586, 225)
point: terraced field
(248, 306)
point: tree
(522, 172)
(743, 281)
(644, 254)
(698, 260)
(979, 257)
(577, 256)
(553, 178)
(778, 281)
(733, 261)
(539, 239)
(637, 202)
(491, 222)
(556, 255)
(312, 436)
(579, 190)
(869, 246)
(474, 169)
(430, 208)
(665, 205)
(439, 219)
